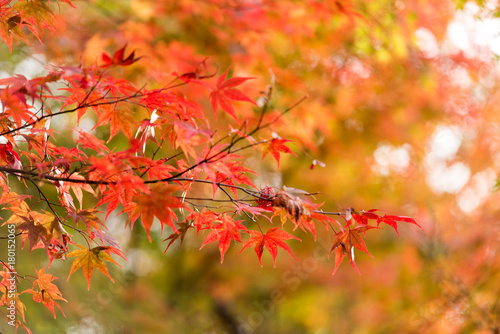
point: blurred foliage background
(402, 108)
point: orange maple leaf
(10, 23)
(88, 259)
(118, 119)
(273, 239)
(37, 14)
(46, 291)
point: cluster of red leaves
(351, 237)
(129, 178)
(289, 207)
(145, 186)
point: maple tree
(177, 124)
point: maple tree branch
(204, 206)
(30, 175)
(14, 234)
(330, 213)
(233, 201)
(248, 191)
(265, 106)
(255, 194)
(214, 200)
(7, 266)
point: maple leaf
(117, 87)
(118, 119)
(226, 230)
(9, 157)
(273, 239)
(88, 140)
(36, 13)
(9, 296)
(159, 202)
(224, 92)
(119, 58)
(88, 218)
(196, 74)
(346, 241)
(46, 292)
(9, 23)
(275, 146)
(88, 259)
(311, 214)
(187, 136)
(253, 210)
(113, 245)
(237, 173)
(183, 228)
(28, 225)
(159, 170)
(14, 105)
(42, 226)
(364, 216)
(393, 221)
(77, 188)
(203, 220)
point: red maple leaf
(345, 243)
(118, 58)
(275, 146)
(224, 93)
(227, 230)
(9, 157)
(159, 202)
(203, 220)
(393, 221)
(90, 141)
(364, 216)
(273, 239)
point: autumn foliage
(171, 155)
